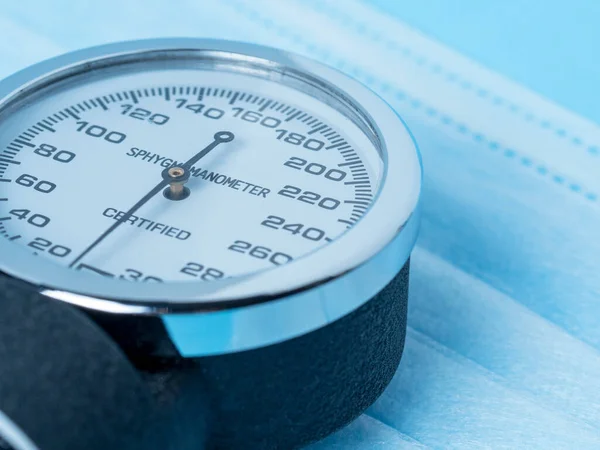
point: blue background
(550, 46)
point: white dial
(77, 158)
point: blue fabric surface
(550, 46)
(503, 346)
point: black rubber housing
(58, 361)
(287, 395)
(67, 385)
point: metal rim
(383, 239)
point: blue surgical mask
(504, 323)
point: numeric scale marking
(336, 142)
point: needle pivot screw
(176, 176)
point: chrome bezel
(365, 258)
(13, 435)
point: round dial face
(154, 173)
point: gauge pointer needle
(169, 176)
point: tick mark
(347, 222)
(72, 114)
(10, 161)
(319, 128)
(356, 202)
(95, 270)
(102, 104)
(22, 142)
(133, 96)
(293, 116)
(265, 105)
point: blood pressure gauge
(229, 207)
